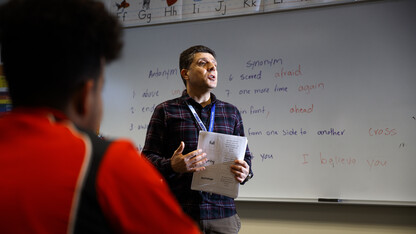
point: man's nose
(211, 67)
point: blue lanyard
(199, 121)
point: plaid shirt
(173, 122)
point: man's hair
(49, 48)
(187, 56)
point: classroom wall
(301, 218)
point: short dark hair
(187, 56)
(49, 48)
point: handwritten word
(244, 91)
(251, 77)
(254, 133)
(292, 73)
(337, 161)
(149, 108)
(266, 156)
(163, 73)
(275, 132)
(254, 110)
(280, 89)
(380, 132)
(260, 91)
(272, 132)
(297, 110)
(307, 88)
(255, 91)
(139, 127)
(293, 132)
(331, 132)
(376, 163)
(266, 62)
(147, 94)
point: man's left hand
(240, 170)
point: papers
(221, 150)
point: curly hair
(187, 56)
(49, 48)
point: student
(56, 176)
(172, 138)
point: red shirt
(47, 173)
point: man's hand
(190, 162)
(240, 170)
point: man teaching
(172, 139)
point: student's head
(187, 57)
(52, 51)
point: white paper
(222, 150)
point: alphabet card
(144, 12)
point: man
(172, 138)
(56, 176)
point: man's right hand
(190, 162)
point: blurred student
(56, 175)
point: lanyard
(199, 121)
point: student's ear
(83, 98)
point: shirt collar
(186, 98)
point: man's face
(202, 73)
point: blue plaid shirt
(173, 122)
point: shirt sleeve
(134, 196)
(154, 147)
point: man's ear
(83, 97)
(184, 74)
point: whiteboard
(327, 96)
